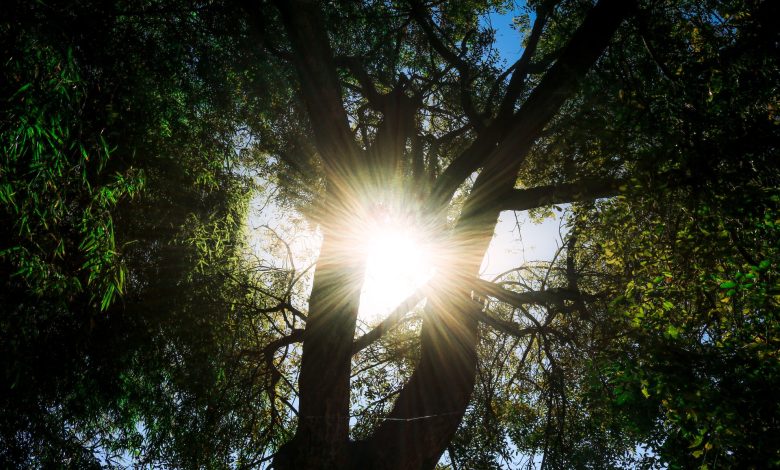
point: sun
(398, 261)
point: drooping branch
(580, 191)
(571, 272)
(506, 326)
(266, 355)
(655, 55)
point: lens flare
(398, 262)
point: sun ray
(398, 261)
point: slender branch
(420, 17)
(655, 56)
(280, 307)
(295, 336)
(506, 326)
(522, 66)
(390, 322)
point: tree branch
(320, 88)
(390, 322)
(555, 296)
(506, 326)
(257, 30)
(522, 66)
(585, 190)
(420, 17)
(515, 136)
(295, 336)
(367, 87)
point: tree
(646, 116)
(441, 384)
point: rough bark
(323, 417)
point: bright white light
(397, 264)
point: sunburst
(399, 259)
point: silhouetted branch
(367, 86)
(585, 190)
(506, 326)
(420, 16)
(267, 352)
(523, 66)
(516, 135)
(555, 296)
(320, 86)
(392, 320)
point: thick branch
(585, 190)
(389, 146)
(518, 299)
(367, 87)
(561, 81)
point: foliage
(695, 262)
(122, 222)
(56, 196)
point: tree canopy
(147, 320)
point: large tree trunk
(323, 416)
